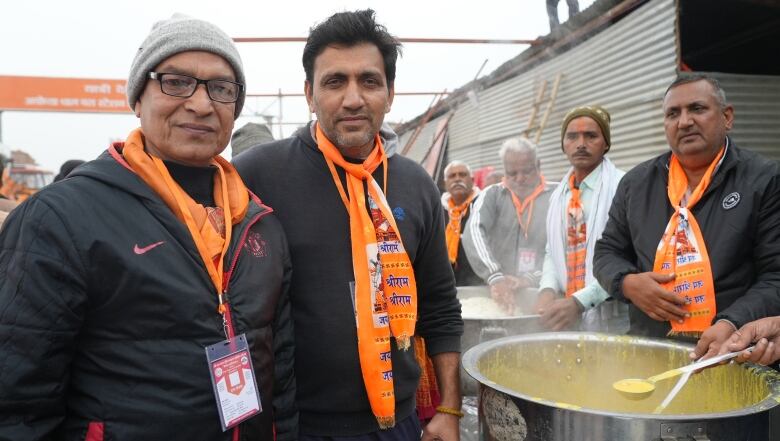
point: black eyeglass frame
(159, 76)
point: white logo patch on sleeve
(731, 201)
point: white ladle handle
(711, 361)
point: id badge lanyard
(214, 269)
(230, 361)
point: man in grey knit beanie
(181, 33)
(145, 297)
(182, 121)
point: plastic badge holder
(233, 380)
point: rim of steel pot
(473, 355)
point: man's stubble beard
(342, 141)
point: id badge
(526, 260)
(233, 379)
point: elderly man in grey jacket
(506, 235)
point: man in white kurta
(569, 296)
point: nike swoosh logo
(138, 250)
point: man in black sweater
(350, 68)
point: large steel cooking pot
(478, 328)
(557, 386)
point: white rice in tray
(481, 307)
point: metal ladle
(638, 389)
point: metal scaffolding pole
(402, 40)
(298, 94)
(281, 135)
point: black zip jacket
(106, 308)
(739, 215)
(293, 177)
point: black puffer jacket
(106, 308)
(739, 216)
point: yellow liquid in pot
(576, 374)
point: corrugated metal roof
(625, 68)
(424, 140)
(590, 21)
(756, 101)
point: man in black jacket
(347, 386)
(116, 282)
(733, 197)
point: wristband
(449, 411)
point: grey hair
(718, 92)
(517, 145)
(456, 163)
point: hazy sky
(97, 39)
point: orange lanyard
(215, 271)
(528, 202)
(340, 186)
(337, 180)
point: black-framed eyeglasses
(184, 86)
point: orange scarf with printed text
(385, 288)
(576, 243)
(452, 232)
(207, 225)
(526, 204)
(682, 252)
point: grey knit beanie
(181, 33)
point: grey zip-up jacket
(495, 243)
